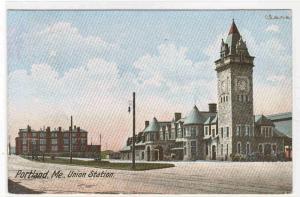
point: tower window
(238, 130)
(227, 131)
(222, 132)
(226, 98)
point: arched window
(248, 148)
(239, 147)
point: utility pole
(100, 147)
(71, 139)
(133, 132)
(9, 148)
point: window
(266, 130)
(166, 135)
(213, 132)
(43, 148)
(221, 149)
(24, 148)
(54, 148)
(24, 141)
(66, 141)
(83, 134)
(227, 131)
(24, 134)
(226, 98)
(206, 130)
(238, 130)
(42, 134)
(34, 134)
(222, 134)
(239, 148)
(260, 148)
(83, 140)
(54, 134)
(74, 134)
(227, 149)
(53, 141)
(274, 148)
(247, 130)
(209, 131)
(184, 148)
(42, 141)
(161, 135)
(66, 148)
(217, 131)
(66, 134)
(248, 148)
(34, 142)
(193, 147)
(193, 132)
(187, 131)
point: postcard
(164, 101)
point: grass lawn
(105, 164)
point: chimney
(70, 128)
(78, 129)
(28, 128)
(48, 129)
(75, 127)
(177, 116)
(59, 129)
(212, 107)
(146, 123)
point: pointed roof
(233, 28)
(264, 121)
(194, 117)
(233, 37)
(153, 126)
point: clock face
(223, 86)
(242, 85)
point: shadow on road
(16, 188)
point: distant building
(232, 132)
(55, 142)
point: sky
(88, 63)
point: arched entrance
(214, 153)
(148, 153)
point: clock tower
(235, 96)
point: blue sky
(87, 63)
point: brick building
(228, 130)
(55, 142)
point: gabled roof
(208, 120)
(153, 126)
(215, 120)
(194, 117)
(264, 121)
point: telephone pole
(133, 132)
(100, 148)
(71, 139)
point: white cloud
(272, 28)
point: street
(185, 178)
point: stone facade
(229, 134)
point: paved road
(185, 177)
